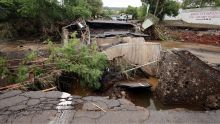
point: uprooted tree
(85, 62)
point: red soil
(193, 37)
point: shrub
(84, 61)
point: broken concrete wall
(185, 79)
(137, 53)
(105, 43)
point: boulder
(185, 79)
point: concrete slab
(119, 111)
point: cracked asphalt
(36, 107)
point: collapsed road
(181, 81)
(58, 107)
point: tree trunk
(155, 11)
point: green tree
(106, 13)
(162, 7)
(133, 11)
(95, 6)
(142, 12)
(217, 2)
(78, 9)
(41, 16)
(44, 11)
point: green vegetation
(3, 68)
(106, 13)
(22, 74)
(18, 74)
(160, 8)
(42, 17)
(30, 56)
(84, 61)
(133, 11)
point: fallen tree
(85, 62)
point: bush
(84, 61)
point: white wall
(199, 16)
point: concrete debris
(134, 85)
(105, 43)
(102, 29)
(185, 79)
(149, 21)
(83, 32)
(109, 24)
(119, 33)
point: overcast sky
(121, 3)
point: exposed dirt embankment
(194, 33)
(185, 79)
(211, 38)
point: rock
(185, 79)
(213, 102)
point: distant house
(121, 17)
